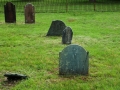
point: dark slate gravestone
(56, 28)
(73, 61)
(29, 13)
(67, 35)
(15, 76)
(10, 13)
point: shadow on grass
(6, 85)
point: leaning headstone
(29, 13)
(73, 60)
(56, 28)
(10, 13)
(67, 35)
(15, 76)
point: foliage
(64, 5)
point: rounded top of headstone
(29, 4)
(74, 47)
(9, 3)
(68, 27)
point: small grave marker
(10, 13)
(73, 60)
(56, 28)
(67, 35)
(15, 76)
(29, 13)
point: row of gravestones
(74, 58)
(10, 13)
(66, 32)
(58, 28)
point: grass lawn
(25, 49)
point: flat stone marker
(15, 76)
(56, 28)
(29, 13)
(10, 13)
(73, 60)
(67, 35)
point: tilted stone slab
(15, 76)
(56, 28)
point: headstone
(56, 28)
(29, 13)
(15, 76)
(73, 60)
(67, 35)
(10, 13)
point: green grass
(25, 49)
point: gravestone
(10, 13)
(15, 76)
(29, 13)
(67, 35)
(73, 60)
(56, 28)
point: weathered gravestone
(15, 76)
(73, 60)
(56, 28)
(29, 13)
(67, 35)
(10, 13)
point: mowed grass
(25, 49)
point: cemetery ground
(25, 49)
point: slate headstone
(10, 13)
(67, 35)
(29, 13)
(73, 60)
(56, 28)
(15, 76)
